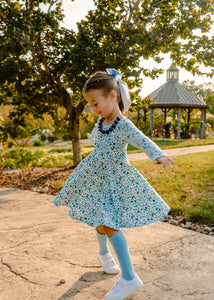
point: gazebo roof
(173, 94)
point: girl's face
(102, 104)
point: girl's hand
(165, 161)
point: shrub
(11, 144)
(10, 163)
(21, 158)
(185, 131)
(38, 143)
(210, 121)
(43, 137)
(52, 138)
(59, 161)
(167, 127)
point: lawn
(59, 156)
(170, 144)
(163, 144)
(187, 188)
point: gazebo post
(203, 127)
(188, 115)
(151, 121)
(179, 123)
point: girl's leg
(130, 282)
(105, 258)
(120, 246)
(102, 241)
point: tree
(139, 105)
(204, 92)
(44, 66)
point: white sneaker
(123, 288)
(108, 263)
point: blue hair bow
(124, 91)
(114, 72)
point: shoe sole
(132, 291)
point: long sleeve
(136, 138)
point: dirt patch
(37, 180)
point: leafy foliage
(44, 66)
(21, 158)
(204, 92)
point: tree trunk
(145, 116)
(75, 138)
(138, 116)
(74, 113)
(77, 157)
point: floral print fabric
(104, 189)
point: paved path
(46, 255)
(174, 152)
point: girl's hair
(107, 83)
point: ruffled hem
(119, 198)
(117, 226)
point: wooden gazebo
(173, 95)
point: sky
(77, 10)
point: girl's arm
(136, 138)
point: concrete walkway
(174, 152)
(46, 255)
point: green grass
(62, 155)
(49, 148)
(163, 144)
(58, 160)
(187, 187)
(170, 144)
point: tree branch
(130, 4)
(5, 19)
(128, 22)
(155, 4)
(51, 4)
(39, 69)
(44, 60)
(81, 106)
(31, 4)
(132, 9)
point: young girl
(104, 190)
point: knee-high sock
(120, 245)
(103, 242)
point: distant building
(173, 95)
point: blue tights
(120, 246)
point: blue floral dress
(104, 189)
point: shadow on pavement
(86, 280)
